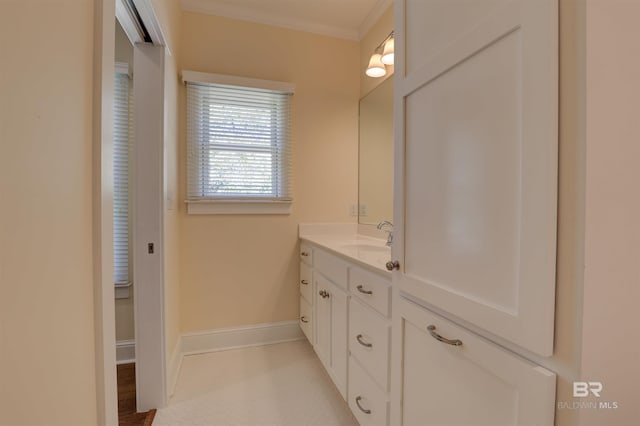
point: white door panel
(477, 383)
(476, 160)
(434, 24)
(463, 148)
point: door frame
(104, 292)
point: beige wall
(238, 270)
(611, 330)
(378, 32)
(47, 355)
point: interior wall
(47, 337)
(378, 32)
(611, 347)
(242, 269)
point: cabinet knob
(304, 253)
(391, 265)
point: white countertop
(367, 251)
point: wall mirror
(375, 172)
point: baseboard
(240, 337)
(175, 362)
(125, 351)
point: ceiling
(348, 19)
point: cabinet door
(475, 383)
(322, 316)
(339, 351)
(476, 162)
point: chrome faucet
(389, 230)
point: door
(322, 316)
(476, 160)
(465, 380)
(339, 354)
(331, 330)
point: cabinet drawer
(331, 267)
(373, 289)
(306, 282)
(306, 254)
(493, 385)
(306, 319)
(369, 341)
(368, 403)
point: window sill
(238, 207)
(123, 290)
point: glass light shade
(376, 67)
(387, 52)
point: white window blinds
(123, 133)
(238, 143)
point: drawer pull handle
(365, 344)
(304, 319)
(358, 399)
(363, 291)
(304, 253)
(305, 282)
(432, 331)
(323, 293)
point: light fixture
(382, 55)
(387, 51)
(376, 67)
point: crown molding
(376, 13)
(226, 10)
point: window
(123, 136)
(238, 158)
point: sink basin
(367, 247)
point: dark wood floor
(127, 415)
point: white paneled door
(474, 383)
(476, 162)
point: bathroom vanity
(345, 312)
(346, 306)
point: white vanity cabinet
(306, 318)
(476, 162)
(475, 186)
(451, 376)
(369, 346)
(323, 309)
(351, 327)
(331, 330)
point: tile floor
(274, 385)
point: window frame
(239, 204)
